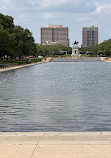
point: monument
(75, 50)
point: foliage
(15, 41)
(103, 49)
(53, 50)
(20, 61)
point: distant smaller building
(54, 34)
(89, 36)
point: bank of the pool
(54, 145)
(21, 66)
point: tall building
(89, 36)
(54, 34)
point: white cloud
(72, 13)
(103, 9)
(47, 15)
(68, 6)
(62, 5)
(4, 4)
(46, 4)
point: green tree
(15, 40)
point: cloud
(14, 5)
(4, 4)
(103, 9)
(66, 6)
(47, 15)
(76, 6)
(73, 13)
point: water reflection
(56, 97)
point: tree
(103, 48)
(5, 43)
(15, 40)
(53, 50)
(6, 21)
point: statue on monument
(75, 50)
(75, 43)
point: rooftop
(53, 26)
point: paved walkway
(55, 145)
(19, 67)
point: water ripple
(56, 97)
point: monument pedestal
(75, 50)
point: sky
(75, 14)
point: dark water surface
(63, 96)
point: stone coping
(19, 67)
(55, 144)
(60, 135)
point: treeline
(53, 50)
(16, 41)
(103, 49)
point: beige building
(54, 34)
(89, 36)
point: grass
(19, 61)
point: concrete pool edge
(55, 144)
(67, 135)
(21, 66)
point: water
(63, 96)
